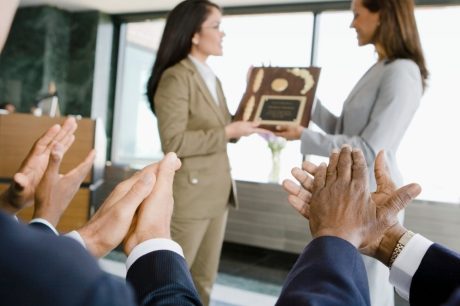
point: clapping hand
(21, 192)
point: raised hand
(154, 215)
(300, 195)
(55, 192)
(341, 204)
(111, 222)
(21, 192)
(389, 201)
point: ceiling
(132, 6)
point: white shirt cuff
(407, 263)
(152, 245)
(45, 222)
(76, 235)
(315, 102)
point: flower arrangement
(276, 144)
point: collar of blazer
(368, 76)
(205, 91)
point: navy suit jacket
(37, 268)
(437, 277)
(330, 271)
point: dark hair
(397, 34)
(181, 24)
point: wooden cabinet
(17, 134)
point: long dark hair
(181, 24)
(397, 34)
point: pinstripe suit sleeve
(436, 278)
(162, 278)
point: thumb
(382, 173)
(80, 172)
(20, 180)
(57, 153)
(402, 197)
(168, 167)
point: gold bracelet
(400, 246)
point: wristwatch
(402, 242)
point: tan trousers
(201, 240)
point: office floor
(250, 275)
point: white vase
(274, 175)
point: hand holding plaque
(279, 96)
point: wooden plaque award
(279, 96)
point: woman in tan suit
(194, 122)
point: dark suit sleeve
(162, 278)
(330, 271)
(436, 278)
(38, 268)
(43, 227)
(454, 300)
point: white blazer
(375, 115)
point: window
(136, 141)
(428, 153)
(256, 40)
(342, 62)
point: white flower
(275, 143)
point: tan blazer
(192, 124)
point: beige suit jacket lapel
(205, 91)
(222, 103)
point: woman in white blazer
(380, 107)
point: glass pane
(341, 60)
(255, 40)
(429, 152)
(136, 139)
